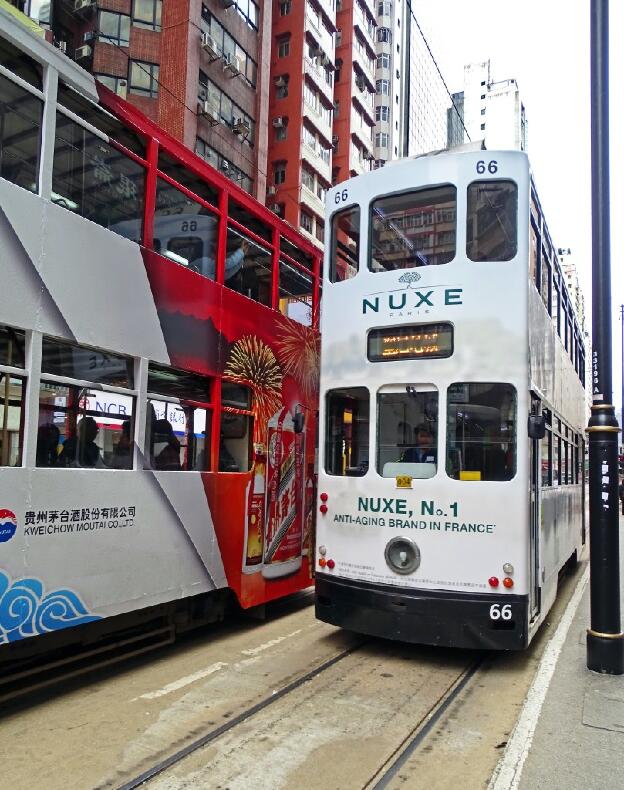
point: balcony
(360, 93)
(313, 158)
(317, 75)
(366, 66)
(365, 26)
(362, 131)
(319, 32)
(312, 201)
(323, 126)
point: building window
(221, 105)
(144, 78)
(307, 178)
(383, 87)
(381, 139)
(284, 8)
(281, 132)
(248, 9)
(384, 8)
(114, 28)
(384, 34)
(383, 61)
(279, 173)
(482, 127)
(382, 113)
(147, 13)
(117, 84)
(483, 111)
(482, 96)
(283, 46)
(306, 221)
(320, 230)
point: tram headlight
(402, 555)
(508, 568)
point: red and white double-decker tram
(158, 367)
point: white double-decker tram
(452, 406)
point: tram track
(245, 715)
(387, 771)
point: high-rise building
(354, 93)
(390, 79)
(454, 121)
(301, 104)
(492, 111)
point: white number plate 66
(498, 612)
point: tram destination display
(414, 341)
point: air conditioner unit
(82, 5)
(207, 110)
(210, 46)
(61, 45)
(122, 89)
(241, 126)
(279, 121)
(280, 82)
(275, 207)
(225, 165)
(88, 36)
(232, 64)
(82, 53)
(271, 190)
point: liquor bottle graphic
(254, 534)
(284, 498)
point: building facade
(490, 111)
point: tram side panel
(83, 545)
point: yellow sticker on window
(468, 475)
(404, 481)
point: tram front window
(492, 221)
(413, 229)
(481, 431)
(407, 431)
(346, 442)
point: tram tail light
(322, 562)
(493, 581)
(331, 565)
(324, 497)
(507, 582)
(323, 509)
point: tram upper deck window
(481, 431)
(20, 128)
(407, 431)
(21, 64)
(345, 244)
(97, 180)
(346, 434)
(413, 229)
(492, 221)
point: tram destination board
(413, 341)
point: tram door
(534, 514)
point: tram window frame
(19, 159)
(472, 238)
(412, 413)
(545, 284)
(13, 374)
(78, 447)
(457, 449)
(178, 391)
(339, 251)
(425, 219)
(358, 399)
(546, 445)
(238, 426)
(534, 251)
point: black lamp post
(605, 640)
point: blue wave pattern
(26, 611)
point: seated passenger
(424, 449)
(48, 437)
(166, 447)
(81, 450)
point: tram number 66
(498, 612)
(341, 196)
(491, 166)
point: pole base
(605, 654)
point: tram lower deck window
(407, 431)
(481, 431)
(346, 432)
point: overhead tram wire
(435, 63)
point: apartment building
(390, 79)
(199, 69)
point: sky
(545, 45)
